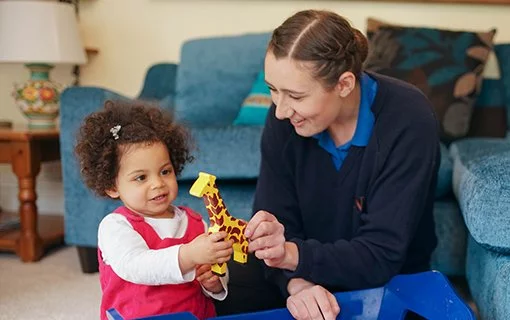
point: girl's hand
(205, 249)
(208, 280)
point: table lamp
(39, 34)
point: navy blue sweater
(371, 220)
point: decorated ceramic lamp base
(38, 98)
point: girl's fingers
(217, 236)
(222, 259)
(221, 245)
(212, 279)
(224, 253)
(206, 275)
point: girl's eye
(272, 89)
(140, 178)
(296, 98)
(166, 171)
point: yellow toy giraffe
(220, 220)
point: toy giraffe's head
(203, 185)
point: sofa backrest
(215, 75)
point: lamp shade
(39, 32)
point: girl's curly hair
(99, 152)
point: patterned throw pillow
(256, 105)
(446, 65)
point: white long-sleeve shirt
(127, 253)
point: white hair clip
(115, 131)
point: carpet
(53, 288)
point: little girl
(154, 257)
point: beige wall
(133, 34)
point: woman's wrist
(296, 285)
(291, 259)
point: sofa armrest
(82, 210)
(481, 183)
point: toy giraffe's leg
(219, 269)
(239, 254)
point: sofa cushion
(449, 257)
(481, 183)
(256, 105)
(446, 65)
(489, 115)
(215, 75)
(231, 152)
(503, 55)
(444, 175)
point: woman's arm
(395, 202)
(394, 208)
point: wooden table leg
(26, 164)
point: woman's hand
(310, 301)
(267, 240)
(207, 279)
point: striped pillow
(256, 105)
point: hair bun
(361, 44)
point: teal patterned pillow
(503, 54)
(256, 105)
(446, 65)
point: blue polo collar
(364, 125)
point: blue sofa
(206, 91)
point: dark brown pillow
(446, 65)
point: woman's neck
(343, 128)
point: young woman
(349, 162)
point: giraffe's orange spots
(236, 230)
(214, 200)
(219, 216)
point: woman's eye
(140, 178)
(296, 98)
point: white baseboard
(49, 189)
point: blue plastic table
(429, 294)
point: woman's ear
(346, 84)
(112, 193)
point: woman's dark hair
(323, 38)
(99, 148)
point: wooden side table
(25, 149)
